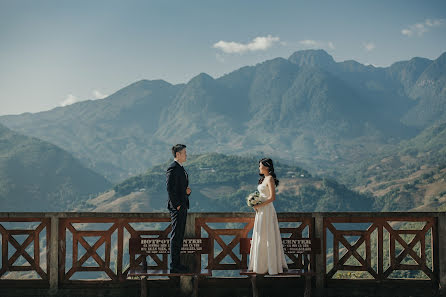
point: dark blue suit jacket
(176, 183)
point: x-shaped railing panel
(241, 261)
(32, 236)
(103, 260)
(380, 224)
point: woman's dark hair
(177, 148)
(267, 162)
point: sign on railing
(290, 246)
(162, 246)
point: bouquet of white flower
(253, 199)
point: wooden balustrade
(375, 245)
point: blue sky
(54, 53)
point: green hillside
(409, 176)
(221, 183)
(38, 176)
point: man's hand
(188, 191)
(178, 208)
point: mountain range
(307, 108)
(377, 130)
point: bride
(266, 253)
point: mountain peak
(313, 58)
(201, 78)
(441, 58)
(144, 83)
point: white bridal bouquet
(253, 199)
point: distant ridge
(307, 108)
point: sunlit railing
(58, 248)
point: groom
(177, 183)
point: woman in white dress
(266, 255)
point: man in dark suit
(177, 184)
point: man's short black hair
(177, 148)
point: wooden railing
(76, 246)
(425, 230)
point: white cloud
(406, 32)
(69, 100)
(309, 43)
(257, 44)
(369, 46)
(373, 64)
(420, 28)
(434, 23)
(98, 95)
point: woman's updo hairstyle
(267, 162)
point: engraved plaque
(162, 246)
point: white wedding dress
(266, 253)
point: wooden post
(307, 292)
(186, 282)
(320, 258)
(195, 293)
(53, 255)
(440, 251)
(144, 286)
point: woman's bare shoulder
(268, 178)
